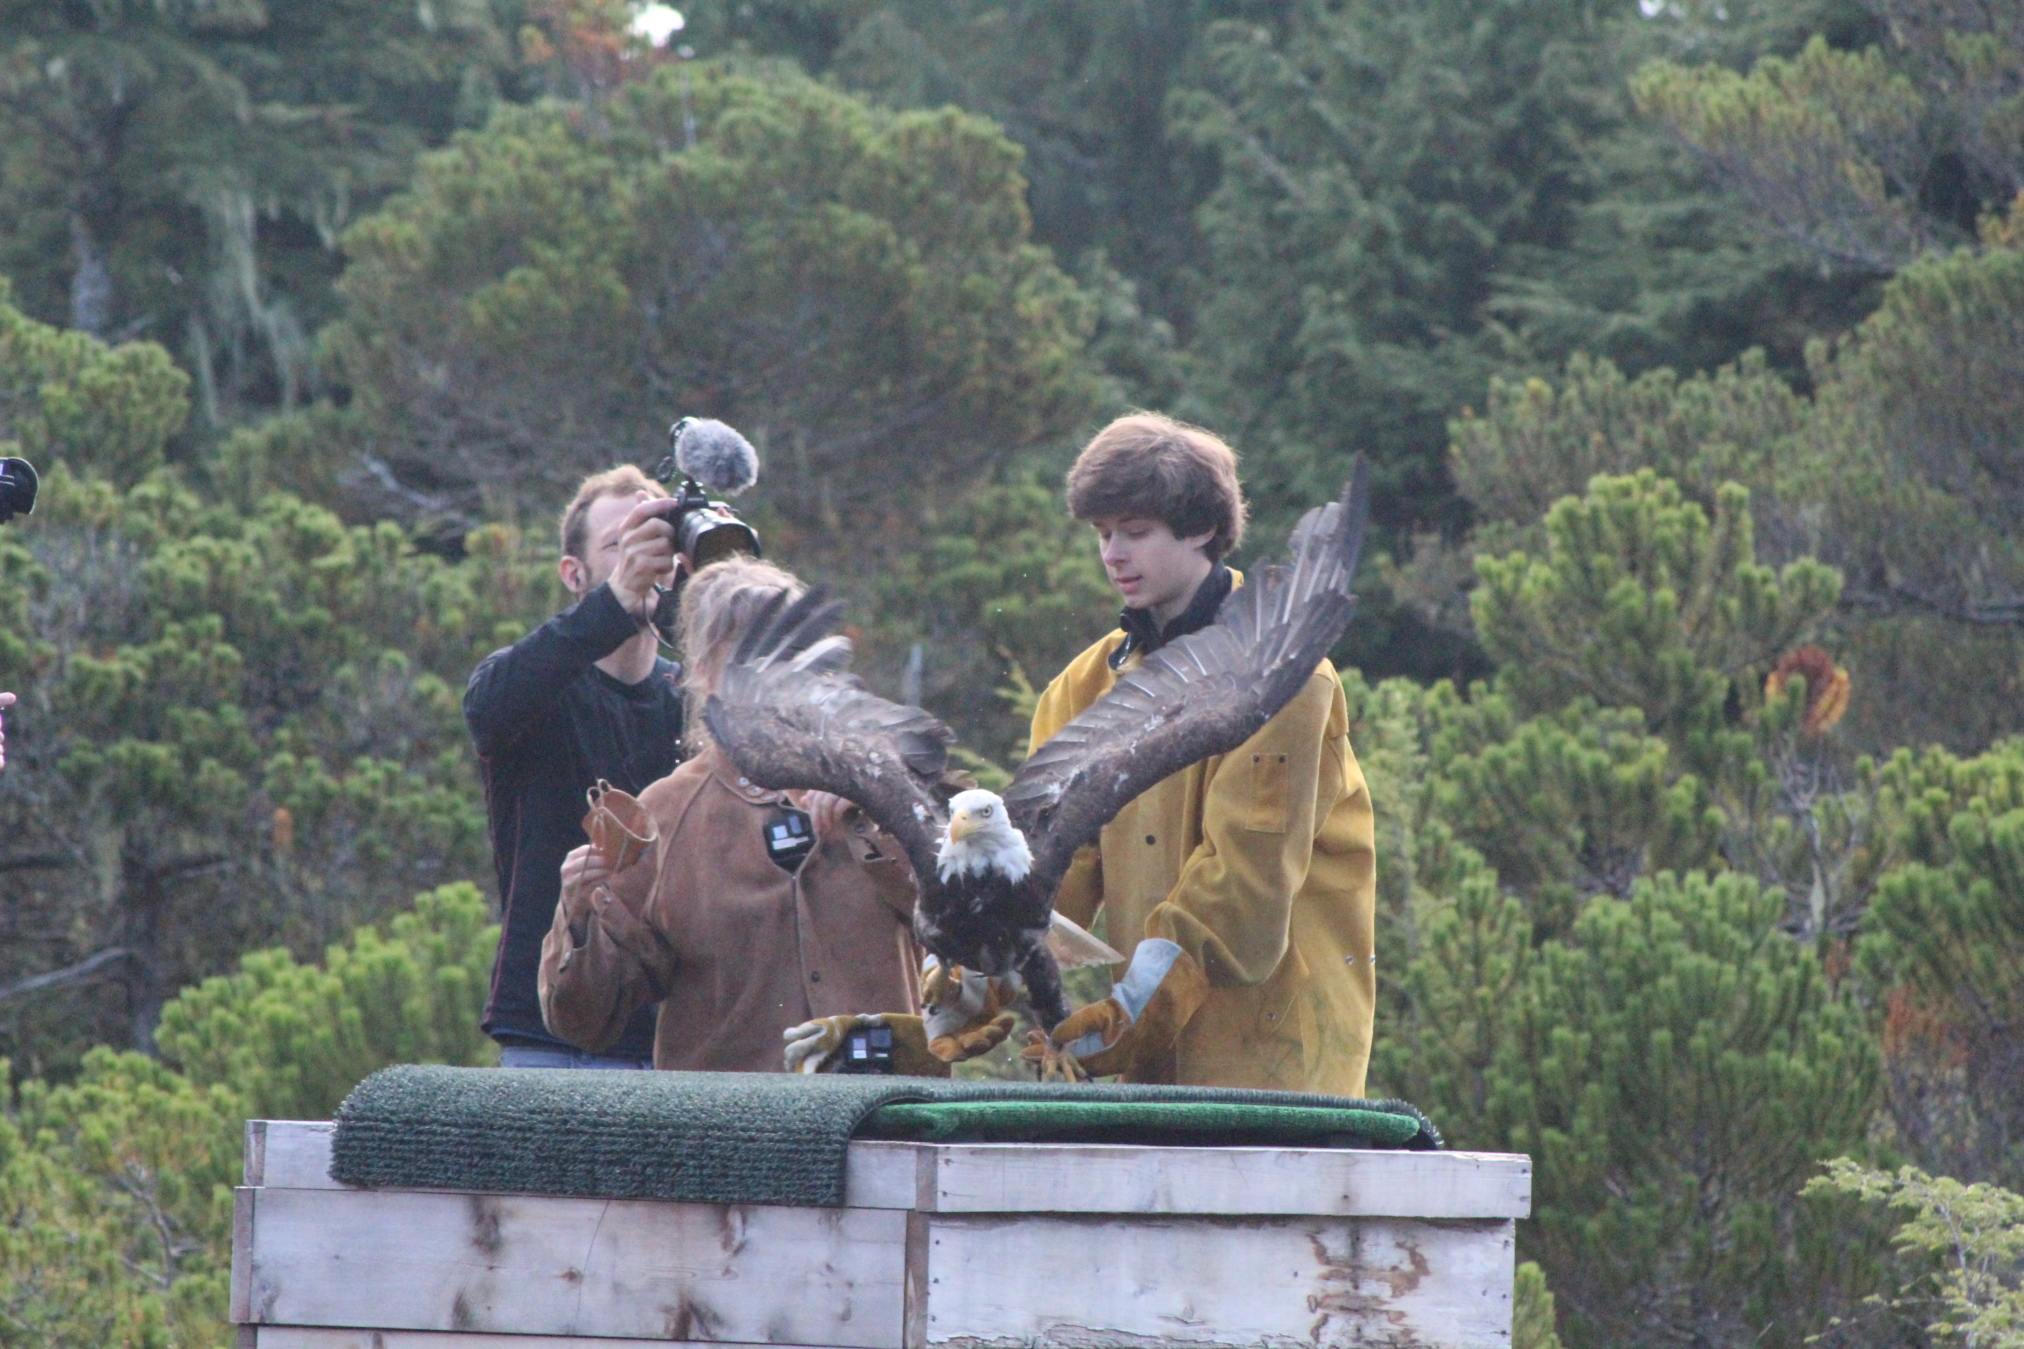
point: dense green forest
(1686, 340)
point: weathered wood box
(939, 1245)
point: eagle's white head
(981, 838)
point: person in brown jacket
(735, 945)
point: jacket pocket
(1268, 792)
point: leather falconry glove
(966, 1014)
(1133, 1031)
(965, 1018)
(812, 1046)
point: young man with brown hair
(1243, 888)
(585, 696)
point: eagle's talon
(1056, 1063)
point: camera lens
(711, 535)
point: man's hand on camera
(6, 701)
(646, 556)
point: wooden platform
(940, 1246)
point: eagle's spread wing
(1203, 695)
(790, 716)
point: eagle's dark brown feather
(1203, 695)
(790, 716)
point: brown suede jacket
(733, 947)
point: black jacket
(547, 725)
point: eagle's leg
(1042, 975)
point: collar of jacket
(1142, 633)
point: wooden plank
(254, 1164)
(409, 1260)
(1086, 1178)
(322, 1337)
(292, 1154)
(295, 1154)
(239, 1302)
(915, 1332)
(1113, 1178)
(1206, 1283)
(882, 1175)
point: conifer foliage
(1684, 338)
(115, 1186)
(237, 726)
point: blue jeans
(546, 1056)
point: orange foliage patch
(1826, 686)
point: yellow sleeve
(1232, 907)
(1081, 891)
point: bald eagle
(790, 716)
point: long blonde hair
(719, 605)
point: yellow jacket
(1261, 865)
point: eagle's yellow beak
(961, 826)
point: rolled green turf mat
(1165, 1123)
(760, 1138)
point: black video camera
(707, 457)
(17, 488)
(866, 1049)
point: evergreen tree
(1942, 948)
(1569, 804)
(235, 728)
(1590, 913)
(854, 288)
(1677, 1071)
(117, 1192)
(1081, 85)
(290, 1040)
(1017, 590)
(1641, 600)
(184, 170)
(1348, 216)
(108, 410)
(1867, 158)
(116, 1186)
(1413, 199)
(1672, 1060)
(1535, 442)
(1962, 1248)
(1902, 471)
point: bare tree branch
(69, 974)
(45, 861)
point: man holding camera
(585, 697)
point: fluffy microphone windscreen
(716, 456)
